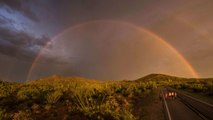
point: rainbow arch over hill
(138, 28)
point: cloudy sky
(105, 39)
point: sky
(105, 39)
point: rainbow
(164, 42)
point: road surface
(179, 111)
(182, 108)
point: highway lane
(202, 108)
(179, 111)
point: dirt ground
(149, 107)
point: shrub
(29, 92)
(4, 115)
(6, 90)
(210, 89)
(22, 115)
(197, 87)
(99, 104)
(53, 97)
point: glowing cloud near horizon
(109, 50)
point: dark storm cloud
(18, 5)
(20, 44)
(5, 21)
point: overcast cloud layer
(26, 26)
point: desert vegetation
(195, 85)
(71, 98)
(76, 98)
(202, 86)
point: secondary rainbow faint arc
(178, 54)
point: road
(182, 108)
(179, 111)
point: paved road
(180, 111)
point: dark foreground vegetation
(201, 88)
(60, 98)
(71, 98)
(200, 85)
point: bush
(99, 105)
(4, 115)
(6, 90)
(53, 97)
(28, 92)
(22, 115)
(210, 89)
(198, 87)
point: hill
(163, 77)
(158, 77)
